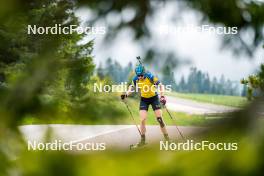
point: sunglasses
(140, 75)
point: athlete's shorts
(145, 102)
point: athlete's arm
(159, 85)
(132, 86)
(130, 90)
(162, 97)
(161, 89)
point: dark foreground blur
(50, 76)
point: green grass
(123, 117)
(233, 101)
(182, 119)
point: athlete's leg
(143, 117)
(158, 114)
(143, 111)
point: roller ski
(138, 145)
(142, 143)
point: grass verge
(181, 119)
(233, 101)
(124, 117)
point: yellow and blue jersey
(147, 85)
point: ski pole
(174, 122)
(134, 121)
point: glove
(123, 96)
(163, 100)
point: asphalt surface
(121, 136)
(114, 136)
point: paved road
(193, 107)
(121, 136)
(114, 136)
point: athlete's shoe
(140, 144)
(166, 138)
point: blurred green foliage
(45, 76)
(39, 66)
(245, 15)
(50, 75)
(255, 84)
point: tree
(168, 78)
(182, 85)
(214, 86)
(192, 80)
(100, 71)
(206, 83)
(255, 83)
(245, 15)
(114, 71)
(38, 66)
(199, 81)
(244, 91)
(127, 71)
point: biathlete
(147, 85)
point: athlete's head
(140, 71)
